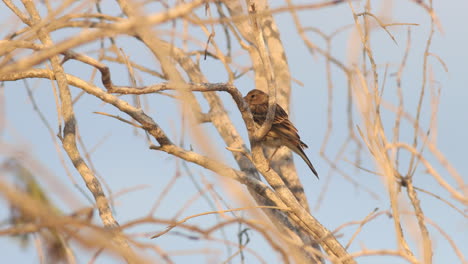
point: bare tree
(180, 38)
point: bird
(282, 131)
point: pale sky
(124, 160)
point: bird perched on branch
(282, 131)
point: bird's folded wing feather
(283, 126)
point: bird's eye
(253, 95)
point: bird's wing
(283, 126)
(281, 123)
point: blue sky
(124, 160)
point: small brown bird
(282, 131)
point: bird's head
(256, 97)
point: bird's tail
(301, 153)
